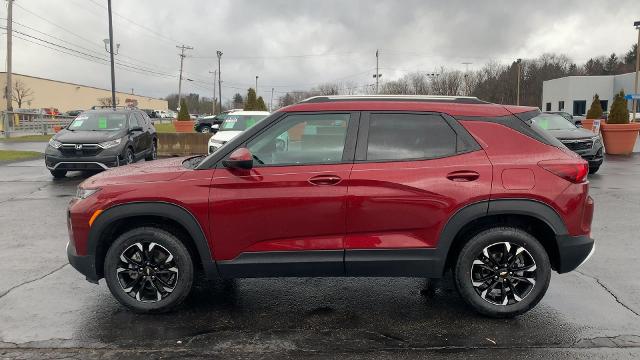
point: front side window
(409, 136)
(302, 139)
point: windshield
(552, 122)
(240, 122)
(99, 122)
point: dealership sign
(632, 96)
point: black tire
(58, 174)
(143, 295)
(128, 157)
(594, 169)
(153, 154)
(492, 239)
(205, 129)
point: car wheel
(502, 272)
(58, 173)
(154, 151)
(205, 129)
(594, 169)
(148, 270)
(129, 157)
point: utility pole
(8, 90)
(219, 53)
(256, 86)
(377, 75)
(518, 90)
(466, 78)
(113, 69)
(182, 56)
(271, 102)
(213, 101)
(634, 103)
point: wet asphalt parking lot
(48, 310)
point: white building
(573, 94)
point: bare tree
(447, 83)
(106, 101)
(21, 93)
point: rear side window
(409, 136)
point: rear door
(412, 172)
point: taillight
(571, 170)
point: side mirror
(135, 128)
(239, 159)
(578, 123)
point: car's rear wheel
(148, 270)
(58, 174)
(502, 272)
(154, 151)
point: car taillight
(571, 170)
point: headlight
(85, 193)
(54, 143)
(110, 144)
(596, 138)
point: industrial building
(574, 94)
(65, 96)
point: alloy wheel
(147, 271)
(129, 157)
(503, 273)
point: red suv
(347, 186)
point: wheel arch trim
(478, 210)
(172, 211)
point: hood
(87, 137)
(572, 134)
(143, 172)
(225, 135)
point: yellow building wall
(67, 96)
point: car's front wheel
(148, 270)
(594, 169)
(129, 157)
(502, 272)
(205, 129)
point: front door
(412, 172)
(286, 216)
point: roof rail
(124, 107)
(425, 98)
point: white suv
(235, 123)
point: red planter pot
(619, 139)
(183, 126)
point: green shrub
(595, 111)
(261, 105)
(619, 114)
(183, 114)
(252, 102)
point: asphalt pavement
(48, 310)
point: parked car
(584, 142)
(73, 113)
(233, 124)
(211, 123)
(565, 115)
(50, 111)
(101, 139)
(362, 186)
(151, 113)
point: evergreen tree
(261, 105)
(595, 111)
(183, 114)
(252, 102)
(619, 113)
(238, 101)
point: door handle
(325, 180)
(463, 175)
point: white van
(234, 123)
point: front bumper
(81, 162)
(84, 264)
(573, 251)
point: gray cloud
(268, 38)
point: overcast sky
(296, 44)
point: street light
(256, 85)
(634, 103)
(519, 61)
(219, 53)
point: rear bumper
(84, 264)
(573, 251)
